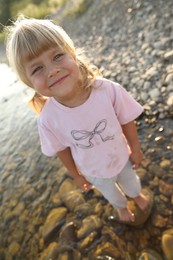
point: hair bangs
(35, 44)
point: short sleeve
(50, 143)
(126, 107)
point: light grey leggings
(116, 188)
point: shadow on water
(33, 187)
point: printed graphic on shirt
(100, 127)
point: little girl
(85, 120)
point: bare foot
(142, 202)
(125, 215)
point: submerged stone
(54, 219)
(167, 243)
(150, 254)
(89, 224)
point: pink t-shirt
(92, 130)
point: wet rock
(83, 210)
(57, 200)
(140, 216)
(14, 247)
(89, 224)
(155, 94)
(164, 187)
(29, 194)
(167, 242)
(88, 241)
(2, 254)
(53, 220)
(99, 209)
(50, 252)
(73, 199)
(42, 198)
(168, 55)
(107, 250)
(18, 208)
(70, 254)
(159, 221)
(70, 195)
(68, 234)
(169, 78)
(150, 254)
(66, 187)
(141, 173)
(170, 100)
(165, 163)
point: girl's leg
(131, 185)
(116, 197)
(110, 191)
(142, 202)
(129, 181)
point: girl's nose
(53, 70)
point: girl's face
(54, 74)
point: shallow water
(20, 148)
(30, 185)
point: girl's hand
(136, 158)
(82, 183)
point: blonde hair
(28, 38)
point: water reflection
(18, 129)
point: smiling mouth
(59, 81)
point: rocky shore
(43, 215)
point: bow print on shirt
(89, 135)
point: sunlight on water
(10, 85)
(7, 78)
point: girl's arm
(131, 135)
(67, 159)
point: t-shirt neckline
(78, 108)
